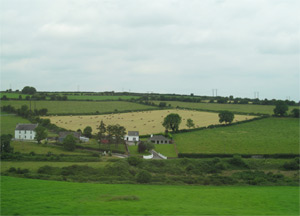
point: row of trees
(24, 111)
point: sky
(239, 47)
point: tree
(28, 90)
(40, 133)
(190, 123)
(280, 108)
(102, 130)
(87, 131)
(226, 116)
(172, 121)
(143, 146)
(162, 104)
(295, 113)
(69, 142)
(143, 177)
(5, 143)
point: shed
(159, 139)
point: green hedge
(200, 155)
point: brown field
(146, 122)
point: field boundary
(257, 156)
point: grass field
(146, 122)
(245, 108)
(9, 122)
(35, 165)
(27, 147)
(266, 136)
(95, 145)
(82, 107)
(38, 197)
(13, 95)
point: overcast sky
(168, 46)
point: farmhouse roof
(158, 137)
(133, 133)
(26, 126)
(64, 134)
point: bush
(12, 169)
(143, 177)
(237, 160)
(32, 153)
(134, 161)
(22, 171)
(292, 165)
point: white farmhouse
(133, 136)
(25, 131)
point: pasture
(146, 122)
(9, 122)
(265, 136)
(80, 107)
(243, 108)
(37, 197)
(27, 147)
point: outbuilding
(159, 139)
(25, 131)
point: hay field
(146, 122)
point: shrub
(134, 161)
(237, 160)
(292, 165)
(143, 177)
(12, 169)
(22, 171)
(32, 153)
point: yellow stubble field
(146, 122)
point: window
(19, 131)
(25, 137)
(19, 136)
(30, 132)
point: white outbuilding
(132, 136)
(25, 131)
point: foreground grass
(82, 107)
(38, 197)
(266, 136)
(9, 122)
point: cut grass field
(38, 197)
(35, 165)
(244, 108)
(9, 122)
(146, 122)
(266, 136)
(27, 147)
(82, 107)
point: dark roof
(64, 134)
(26, 126)
(133, 133)
(158, 137)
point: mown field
(245, 108)
(266, 136)
(146, 122)
(38, 197)
(80, 107)
(9, 122)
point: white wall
(24, 135)
(131, 138)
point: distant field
(245, 108)
(146, 122)
(40, 197)
(35, 165)
(13, 95)
(82, 107)
(266, 136)
(9, 122)
(27, 147)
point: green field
(266, 136)
(82, 107)
(27, 147)
(9, 122)
(13, 95)
(38, 197)
(243, 108)
(35, 165)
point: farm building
(25, 131)
(62, 135)
(132, 136)
(159, 139)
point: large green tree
(69, 142)
(226, 116)
(172, 121)
(101, 130)
(41, 133)
(87, 131)
(5, 143)
(28, 90)
(280, 108)
(296, 113)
